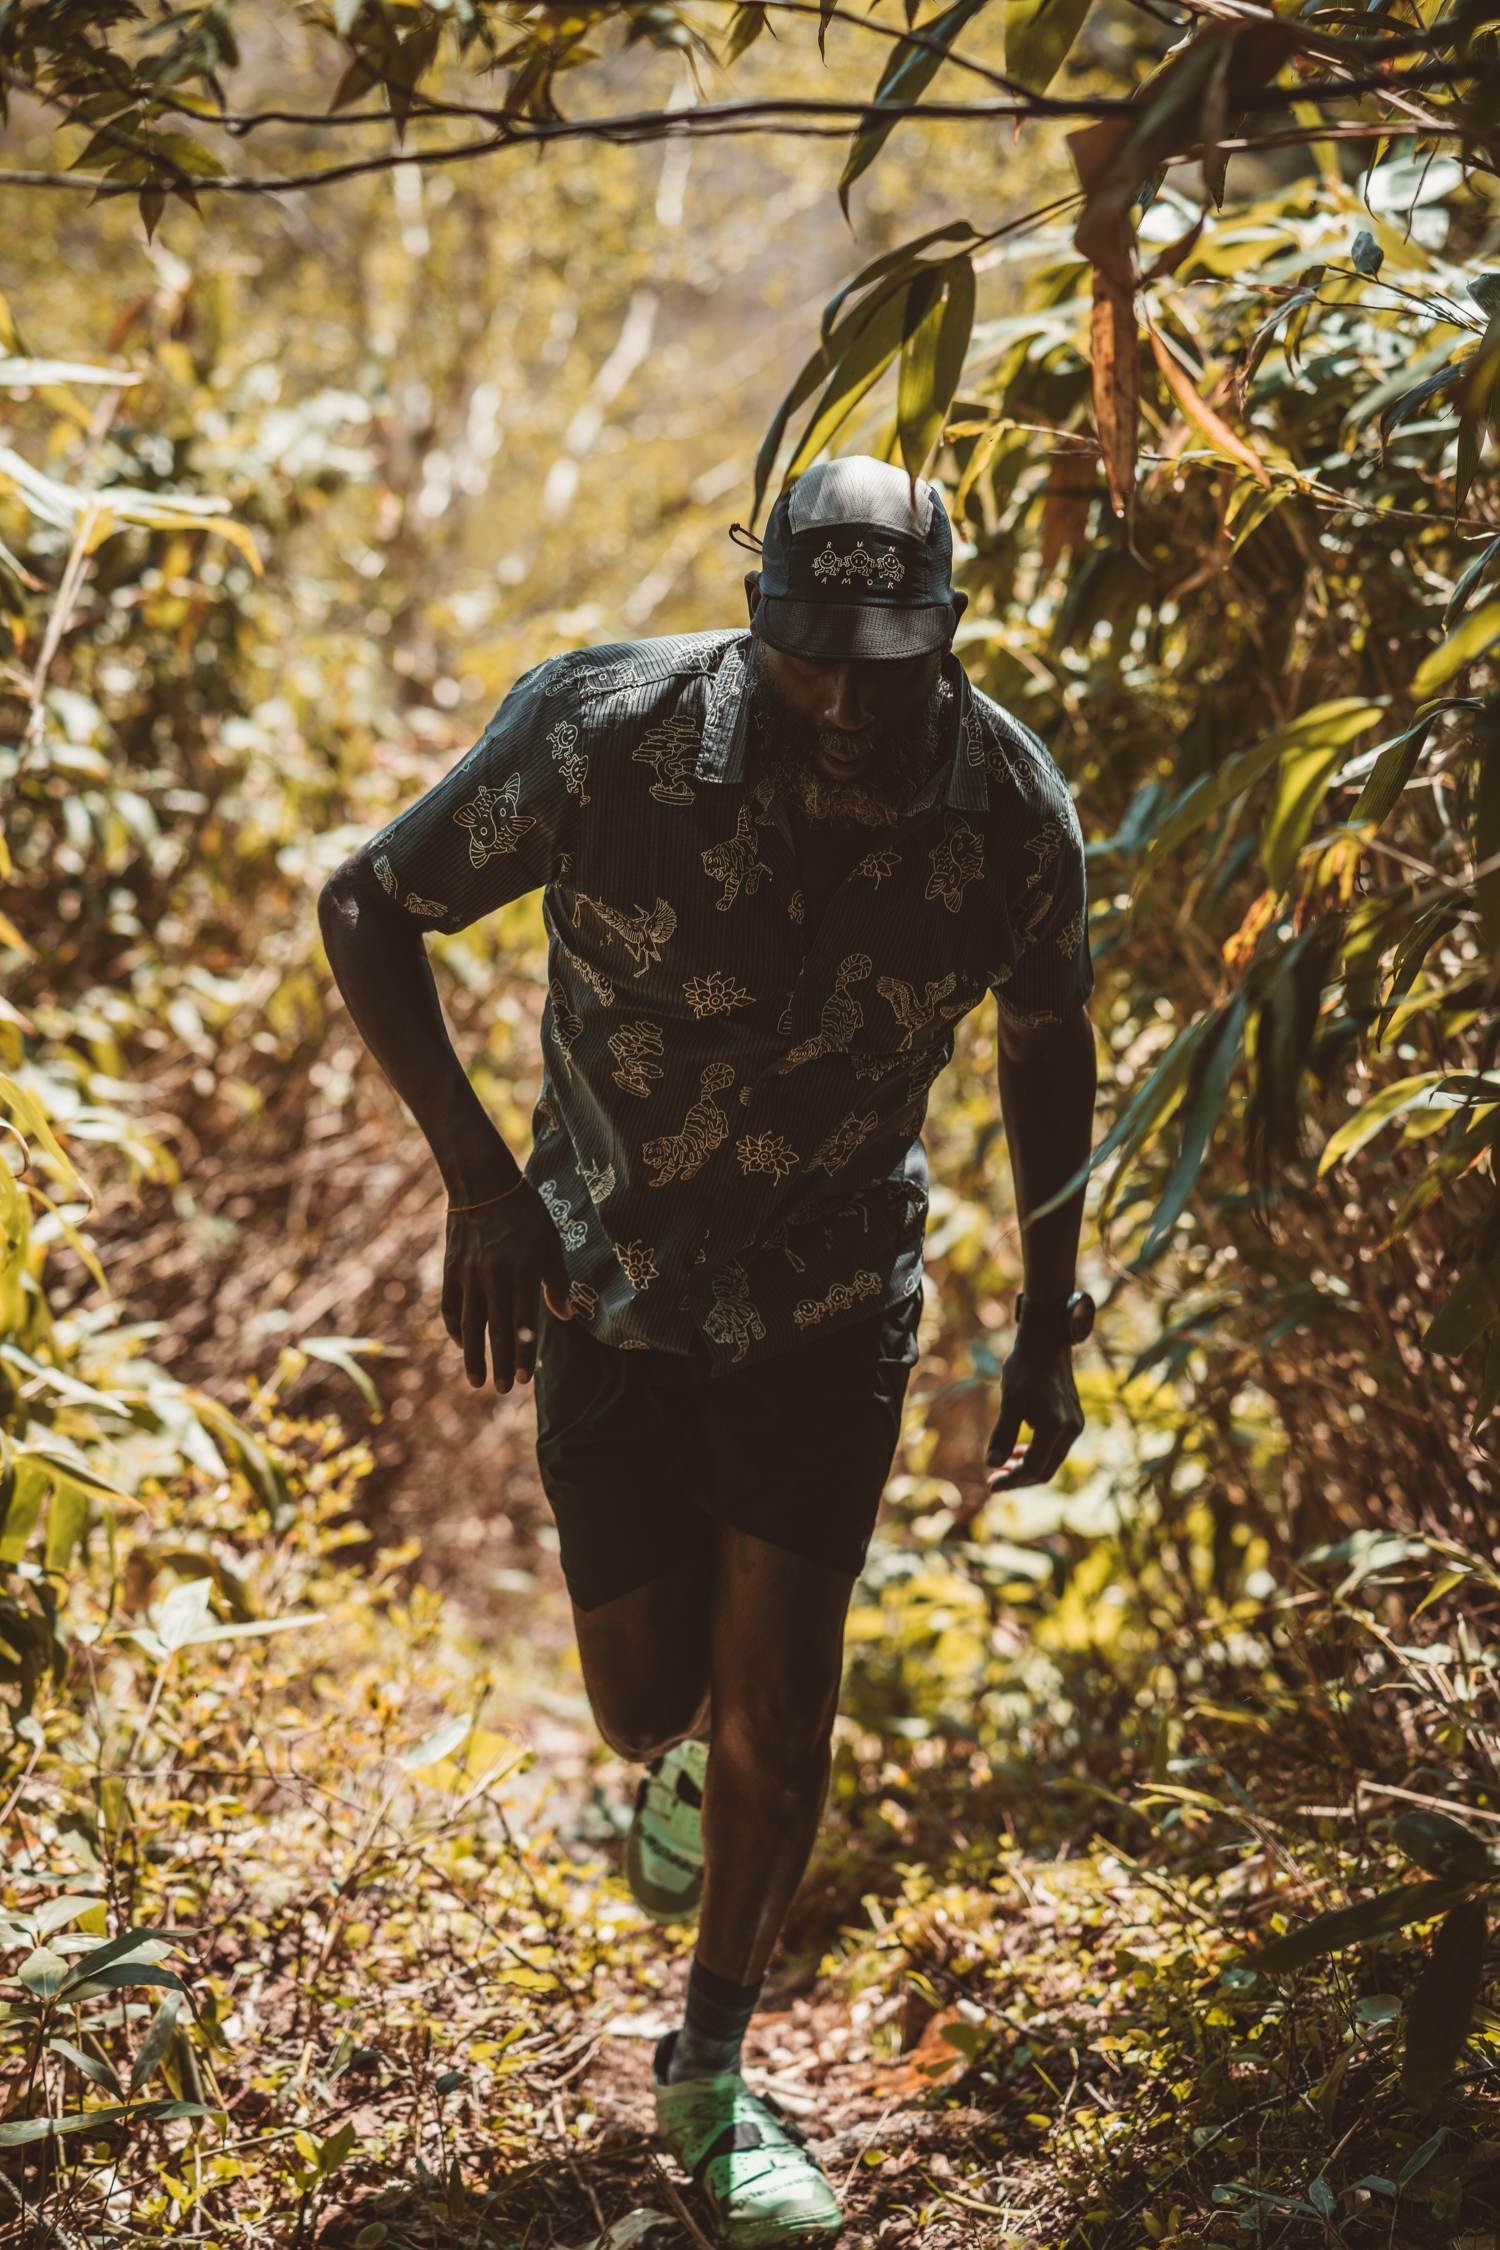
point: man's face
(846, 742)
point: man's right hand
(498, 1261)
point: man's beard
(783, 748)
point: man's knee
(640, 1722)
(781, 1728)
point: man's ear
(752, 592)
(960, 604)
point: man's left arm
(1047, 1083)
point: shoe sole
(666, 1907)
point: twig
(679, 2207)
(580, 2179)
(866, 2143)
(52, 2227)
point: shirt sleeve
(1051, 975)
(502, 823)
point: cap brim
(850, 631)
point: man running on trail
(777, 867)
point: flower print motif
(636, 1047)
(732, 1319)
(1070, 938)
(672, 749)
(599, 1179)
(973, 737)
(842, 1297)
(737, 863)
(386, 875)
(566, 1026)
(494, 823)
(912, 1014)
(583, 1299)
(716, 994)
(875, 866)
(784, 1025)
(797, 907)
(574, 1232)
(956, 862)
(572, 762)
(638, 1264)
(841, 1018)
(430, 909)
(544, 1114)
(643, 933)
(765, 1152)
(1044, 847)
(847, 1136)
(674, 1156)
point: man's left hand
(1036, 1387)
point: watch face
(1080, 1317)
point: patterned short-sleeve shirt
(728, 1130)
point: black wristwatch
(1063, 1320)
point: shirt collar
(958, 780)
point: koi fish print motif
(494, 822)
(956, 862)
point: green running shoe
(764, 2190)
(664, 1851)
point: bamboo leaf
(1474, 636)
(861, 367)
(1472, 1303)
(1039, 35)
(1300, 786)
(931, 363)
(1379, 1110)
(909, 72)
(1328, 725)
(1114, 356)
(1354, 1925)
(1221, 1054)
(1392, 771)
(1198, 411)
(1442, 2006)
(156, 2042)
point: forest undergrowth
(1151, 1903)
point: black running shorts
(642, 1453)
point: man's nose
(846, 703)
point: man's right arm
(501, 1257)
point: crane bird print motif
(681, 1156)
(912, 1014)
(643, 933)
(494, 822)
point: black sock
(713, 2029)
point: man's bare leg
(760, 1640)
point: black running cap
(856, 563)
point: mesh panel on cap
(858, 489)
